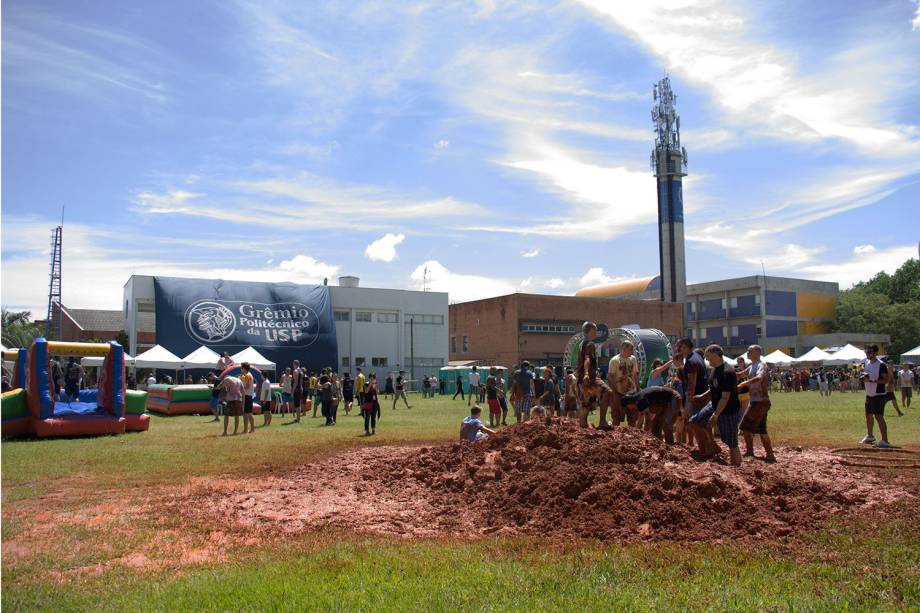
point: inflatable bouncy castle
(36, 407)
(179, 399)
(650, 344)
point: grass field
(79, 565)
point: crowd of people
(696, 398)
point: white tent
(912, 356)
(254, 358)
(778, 357)
(848, 355)
(201, 358)
(158, 357)
(816, 354)
(97, 361)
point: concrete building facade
(379, 330)
(508, 329)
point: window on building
(693, 307)
(725, 331)
(363, 316)
(378, 361)
(359, 362)
(547, 329)
(387, 318)
(345, 362)
(341, 315)
(453, 344)
(734, 302)
(734, 330)
(757, 299)
(724, 305)
(759, 331)
(430, 320)
(466, 344)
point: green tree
(885, 304)
(17, 328)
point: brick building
(508, 329)
(84, 325)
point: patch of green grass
(852, 568)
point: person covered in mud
(523, 392)
(592, 389)
(472, 429)
(660, 404)
(623, 378)
(492, 394)
(570, 408)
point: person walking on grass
(265, 399)
(523, 392)
(892, 385)
(232, 389)
(348, 392)
(721, 407)
(754, 419)
(875, 377)
(459, 388)
(905, 382)
(215, 396)
(370, 408)
(474, 385)
(550, 396)
(249, 391)
(286, 387)
(297, 387)
(360, 385)
(495, 408)
(400, 390)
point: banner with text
(283, 321)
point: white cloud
(530, 253)
(555, 283)
(915, 24)
(709, 43)
(595, 276)
(460, 287)
(384, 248)
(861, 267)
(863, 249)
(442, 144)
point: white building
(379, 330)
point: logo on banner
(252, 323)
(210, 322)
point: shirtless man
(570, 408)
(623, 378)
(593, 389)
(661, 404)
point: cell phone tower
(669, 165)
(54, 320)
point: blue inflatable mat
(62, 409)
(88, 395)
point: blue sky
(502, 146)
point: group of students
(689, 406)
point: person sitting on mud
(593, 389)
(722, 407)
(661, 404)
(472, 429)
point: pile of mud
(555, 479)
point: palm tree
(17, 328)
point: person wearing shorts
(875, 377)
(232, 388)
(286, 388)
(297, 389)
(661, 404)
(495, 408)
(215, 396)
(592, 388)
(523, 395)
(571, 393)
(474, 385)
(722, 407)
(905, 382)
(892, 385)
(754, 419)
(502, 401)
(249, 391)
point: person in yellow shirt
(312, 384)
(360, 382)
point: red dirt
(559, 479)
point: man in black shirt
(400, 390)
(694, 381)
(662, 403)
(722, 406)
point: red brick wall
(493, 325)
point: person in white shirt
(151, 380)
(906, 383)
(875, 377)
(474, 386)
(265, 399)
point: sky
(478, 148)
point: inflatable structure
(194, 399)
(650, 344)
(36, 406)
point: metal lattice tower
(54, 321)
(669, 165)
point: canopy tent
(201, 358)
(816, 354)
(254, 358)
(95, 361)
(911, 356)
(158, 357)
(848, 355)
(778, 357)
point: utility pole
(412, 347)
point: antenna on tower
(54, 321)
(425, 280)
